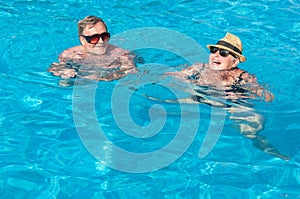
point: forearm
(61, 70)
(250, 81)
(185, 75)
(264, 94)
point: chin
(214, 67)
(99, 51)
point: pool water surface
(52, 143)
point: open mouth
(215, 61)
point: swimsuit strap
(239, 79)
(196, 73)
(244, 72)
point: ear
(236, 62)
(82, 40)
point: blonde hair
(89, 20)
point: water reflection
(239, 103)
(242, 113)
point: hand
(269, 97)
(68, 73)
(59, 69)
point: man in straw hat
(221, 78)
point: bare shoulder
(194, 68)
(188, 72)
(76, 52)
(246, 76)
(116, 50)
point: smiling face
(217, 62)
(98, 48)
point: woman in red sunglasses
(95, 58)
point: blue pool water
(47, 130)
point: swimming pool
(42, 151)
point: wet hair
(89, 20)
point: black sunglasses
(222, 52)
(93, 39)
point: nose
(216, 54)
(100, 41)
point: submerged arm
(187, 74)
(62, 70)
(250, 81)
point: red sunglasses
(93, 39)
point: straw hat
(231, 43)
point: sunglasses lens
(224, 53)
(94, 39)
(105, 36)
(213, 49)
